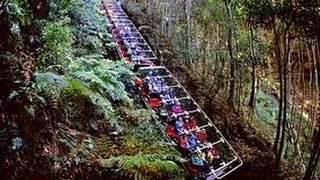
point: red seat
(202, 136)
(183, 141)
(190, 124)
(171, 131)
(154, 102)
(193, 170)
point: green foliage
(104, 80)
(260, 47)
(90, 30)
(261, 12)
(207, 12)
(49, 84)
(97, 80)
(57, 41)
(266, 108)
(141, 153)
(145, 138)
(60, 8)
(17, 16)
(144, 166)
(135, 115)
(16, 10)
(79, 89)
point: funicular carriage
(206, 152)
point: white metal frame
(217, 130)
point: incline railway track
(206, 152)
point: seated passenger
(192, 168)
(163, 113)
(202, 135)
(171, 93)
(166, 99)
(138, 48)
(130, 51)
(133, 45)
(179, 125)
(134, 58)
(138, 82)
(126, 44)
(192, 140)
(213, 157)
(141, 60)
(165, 89)
(191, 123)
(121, 44)
(122, 32)
(127, 28)
(199, 162)
(135, 52)
(183, 141)
(148, 77)
(171, 132)
(176, 108)
(130, 40)
(156, 88)
(124, 53)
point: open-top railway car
(206, 152)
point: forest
(238, 98)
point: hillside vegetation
(69, 110)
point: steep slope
(66, 110)
(255, 151)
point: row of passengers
(188, 141)
(156, 87)
(158, 95)
(129, 49)
(191, 139)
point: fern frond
(105, 106)
(144, 166)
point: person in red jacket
(184, 144)
(202, 135)
(171, 131)
(190, 123)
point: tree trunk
(253, 93)
(285, 94)
(187, 11)
(316, 84)
(314, 157)
(232, 87)
(280, 71)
